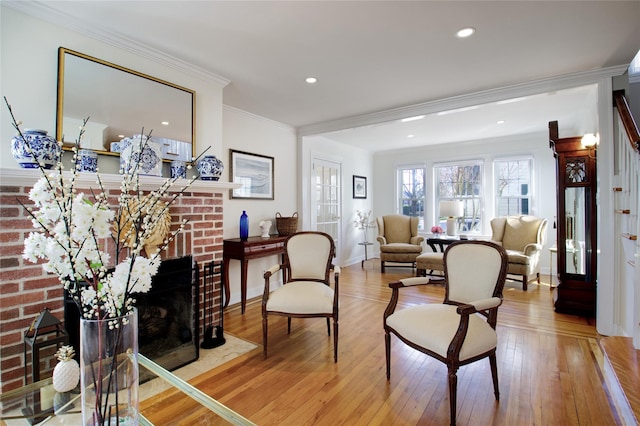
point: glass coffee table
(39, 404)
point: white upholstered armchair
(523, 238)
(307, 292)
(462, 329)
(399, 239)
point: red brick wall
(25, 289)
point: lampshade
(590, 140)
(451, 208)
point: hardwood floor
(551, 368)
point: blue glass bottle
(244, 226)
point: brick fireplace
(25, 290)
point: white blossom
(72, 229)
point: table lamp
(452, 210)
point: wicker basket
(287, 225)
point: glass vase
(109, 370)
(244, 225)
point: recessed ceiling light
(417, 117)
(410, 136)
(121, 136)
(500, 122)
(311, 80)
(165, 123)
(465, 32)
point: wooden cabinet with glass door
(576, 198)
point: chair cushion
(302, 297)
(518, 257)
(520, 231)
(397, 228)
(433, 327)
(400, 248)
(432, 261)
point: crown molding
(41, 10)
(477, 98)
(238, 111)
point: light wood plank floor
(550, 367)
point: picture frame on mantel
(255, 172)
(359, 187)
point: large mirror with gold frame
(120, 102)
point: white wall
(29, 54)
(29, 69)
(534, 145)
(243, 131)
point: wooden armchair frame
(486, 307)
(294, 276)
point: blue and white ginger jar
(210, 167)
(87, 161)
(178, 169)
(45, 149)
(141, 152)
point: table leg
(243, 284)
(227, 291)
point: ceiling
(372, 56)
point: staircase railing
(627, 207)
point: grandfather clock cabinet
(576, 224)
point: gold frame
(62, 51)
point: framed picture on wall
(359, 187)
(255, 172)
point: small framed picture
(254, 172)
(359, 187)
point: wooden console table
(244, 250)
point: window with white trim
(513, 186)
(461, 181)
(411, 193)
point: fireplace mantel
(23, 177)
(27, 289)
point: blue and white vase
(39, 148)
(210, 167)
(87, 161)
(178, 169)
(141, 154)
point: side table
(245, 250)
(441, 242)
(365, 245)
(552, 250)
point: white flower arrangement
(73, 230)
(363, 220)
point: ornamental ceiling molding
(536, 87)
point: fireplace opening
(168, 319)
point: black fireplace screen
(168, 320)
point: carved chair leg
(494, 375)
(264, 336)
(538, 276)
(525, 281)
(453, 391)
(328, 327)
(288, 325)
(382, 266)
(387, 347)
